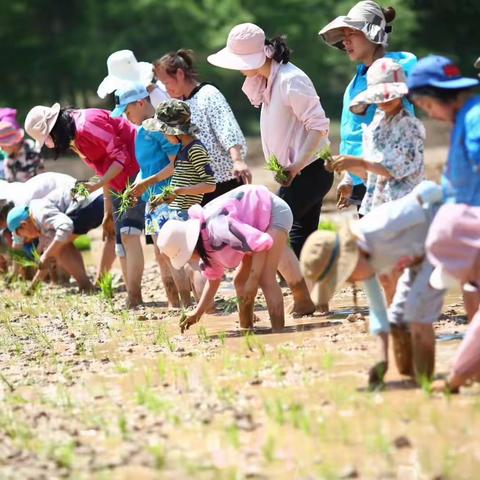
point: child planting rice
(155, 156)
(246, 227)
(107, 145)
(392, 237)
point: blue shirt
(461, 179)
(152, 150)
(351, 124)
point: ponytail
(181, 59)
(281, 52)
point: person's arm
(240, 167)
(208, 295)
(114, 170)
(197, 189)
(358, 166)
(142, 186)
(108, 224)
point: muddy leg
(423, 346)
(402, 348)
(246, 304)
(167, 279)
(290, 270)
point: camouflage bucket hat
(172, 117)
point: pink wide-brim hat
(245, 49)
(9, 135)
(453, 244)
(40, 122)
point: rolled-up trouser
(132, 222)
(415, 300)
(305, 196)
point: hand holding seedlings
(127, 200)
(187, 320)
(326, 155)
(281, 175)
(80, 191)
(167, 195)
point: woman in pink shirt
(293, 125)
(247, 226)
(107, 145)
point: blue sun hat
(16, 216)
(133, 92)
(440, 72)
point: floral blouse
(219, 130)
(24, 164)
(396, 143)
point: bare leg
(290, 270)
(134, 269)
(268, 280)
(245, 304)
(106, 259)
(423, 349)
(167, 279)
(198, 281)
(389, 284)
(71, 260)
(471, 301)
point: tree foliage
(56, 50)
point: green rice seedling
(326, 154)
(328, 225)
(20, 257)
(300, 419)
(82, 243)
(163, 197)
(126, 198)
(254, 343)
(123, 426)
(228, 305)
(233, 435)
(63, 455)
(202, 334)
(162, 338)
(159, 454)
(79, 192)
(426, 385)
(281, 176)
(328, 361)
(268, 449)
(106, 285)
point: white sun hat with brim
(245, 49)
(386, 81)
(366, 17)
(40, 121)
(177, 240)
(123, 68)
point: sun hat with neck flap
(40, 122)
(367, 17)
(245, 49)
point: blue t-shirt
(461, 179)
(351, 124)
(152, 150)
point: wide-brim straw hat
(328, 259)
(177, 240)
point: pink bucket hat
(453, 245)
(9, 115)
(40, 122)
(245, 49)
(385, 81)
(9, 134)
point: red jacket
(102, 140)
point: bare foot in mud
(133, 302)
(301, 309)
(442, 386)
(376, 375)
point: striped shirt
(192, 167)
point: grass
(83, 243)
(281, 176)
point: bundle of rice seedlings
(127, 200)
(326, 154)
(79, 192)
(328, 225)
(166, 194)
(22, 258)
(281, 176)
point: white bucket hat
(366, 16)
(245, 49)
(386, 81)
(123, 68)
(177, 240)
(40, 122)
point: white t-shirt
(37, 187)
(159, 94)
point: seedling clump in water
(281, 176)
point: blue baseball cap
(16, 216)
(125, 96)
(440, 72)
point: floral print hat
(385, 81)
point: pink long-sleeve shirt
(233, 225)
(290, 109)
(102, 140)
